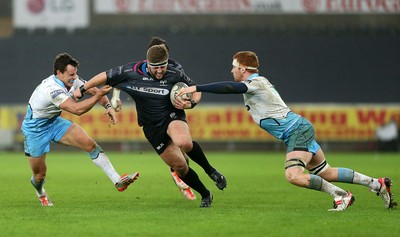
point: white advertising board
(247, 6)
(50, 14)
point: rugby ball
(175, 90)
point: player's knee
(186, 145)
(292, 178)
(294, 171)
(89, 145)
(181, 169)
(41, 175)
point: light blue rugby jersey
(267, 108)
(43, 107)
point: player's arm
(223, 87)
(105, 102)
(98, 80)
(79, 108)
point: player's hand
(116, 104)
(187, 90)
(77, 94)
(180, 103)
(104, 90)
(113, 116)
(116, 101)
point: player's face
(69, 76)
(158, 72)
(237, 73)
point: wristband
(194, 103)
(82, 89)
(107, 106)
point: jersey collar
(58, 81)
(252, 76)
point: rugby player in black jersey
(149, 83)
(197, 154)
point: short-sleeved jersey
(46, 99)
(151, 96)
(44, 104)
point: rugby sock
(366, 181)
(102, 161)
(319, 184)
(38, 185)
(192, 179)
(345, 175)
(198, 156)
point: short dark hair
(157, 41)
(61, 62)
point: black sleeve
(223, 87)
(117, 75)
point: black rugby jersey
(151, 96)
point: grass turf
(257, 202)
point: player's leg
(77, 137)
(36, 145)
(180, 134)
(182, 186)
(303, 149)
(39, 169)
(295, 164)
(381, 186)
(173, 157)
(160, 140)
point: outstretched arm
(223, 87)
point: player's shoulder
(50, 83)
(173, 63)
(258, 80)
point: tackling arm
(79, 108)
(99, 79)
(223, 87)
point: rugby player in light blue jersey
(270, 112)
(42, 124)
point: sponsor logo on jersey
(150, 90)
(55, 93)
(147, 79)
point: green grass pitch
(257, 202)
